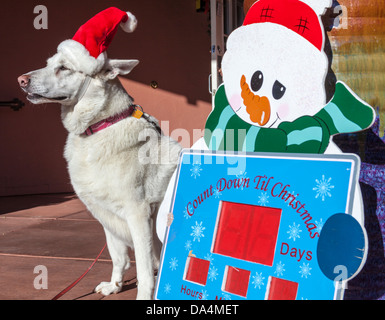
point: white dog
(120, 173)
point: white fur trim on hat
(80, 57)
(131, 24)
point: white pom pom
(130, 24)
(319, 6)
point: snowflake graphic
(213, 273)
(305, 270)
(226, 296)
(173, 264)
(167, 288)
(205, 295)
(197, 232)
(186, 215)
(290, 199)
(188, 245)
(263, 199)
(209, 257)
(279, 270)
(242, 175)
(258, 280)
(196, 169)
(323, 188)
(217, 194)
(294, 231)
(319, 225)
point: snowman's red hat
(292, 14)
(86, 50)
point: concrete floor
(58, 233)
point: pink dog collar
(109, 121)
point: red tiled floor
(57, 232)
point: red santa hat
(298, 16)
(87, 49)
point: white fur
(80, 58)
(119, 174)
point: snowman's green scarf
(308, 134)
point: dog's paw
(107, 288)
(143, 295)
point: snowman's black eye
(278, 90)
(256, 81)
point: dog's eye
(63, 68)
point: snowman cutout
(274, 74)
(273, 97)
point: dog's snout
(24, 80)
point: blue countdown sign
(261, 226)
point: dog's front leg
(140, 227)
(121, 263)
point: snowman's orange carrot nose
(257, 107)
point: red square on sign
(197, 270)
(281, 289)
(247, 232)
(236, 281)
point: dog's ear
(115, 67)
